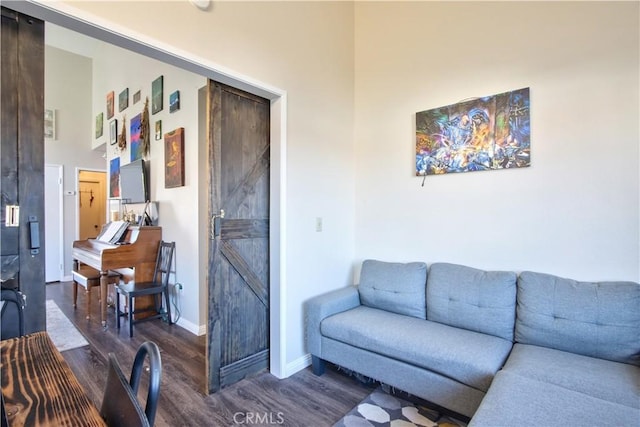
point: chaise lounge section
(575, 358)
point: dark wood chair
(12, 302)
(158, 287)
(89, 278)
(120, 405)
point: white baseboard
(202, 330)
(192, 327)
(67, 278)
(298, 365)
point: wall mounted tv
(134, 182)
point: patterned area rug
(382, 409)
(63, 333)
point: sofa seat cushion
(477, 300)
(612, 381)
(600, 319)
(515, 400)
(465, 356)
(393, 286)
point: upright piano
(135, 255)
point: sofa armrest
(325, 305)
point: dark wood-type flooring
(300, 400)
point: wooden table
(39, 388)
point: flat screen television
(134, 182)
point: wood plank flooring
(300, 400)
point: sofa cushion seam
(513, 372)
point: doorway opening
(126, 38)
(91, 201)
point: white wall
(574, 211)
(71, 98)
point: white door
(53, 246)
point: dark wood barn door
(238, 323)
(22, 147)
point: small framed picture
(113, 131)
(110, 105)
(123, 100)
(174, 158)
(158, 130)
(156, 95)
(174, 101)
(50, 124)
(136, 97)
(99, 125)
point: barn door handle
(34, 234)
(215, 224)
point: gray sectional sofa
(501, 348)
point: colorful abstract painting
(136, 146)
(114, 177)
(486, 133)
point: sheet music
(113, 231)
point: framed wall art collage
(133, 120)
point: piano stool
(89, 277)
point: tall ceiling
(71, 41)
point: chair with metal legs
(158, 287)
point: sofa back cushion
(477, 300)
(599, 319)
(395, 287)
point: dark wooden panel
(237, 371)
(214, 333)
(22, 111)
(9, 134)
(244, 320)
(239, 254)
(242, 268)
(244, 229)
(31, 166)
(248, 185)
(10, 266)
(245, 155)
